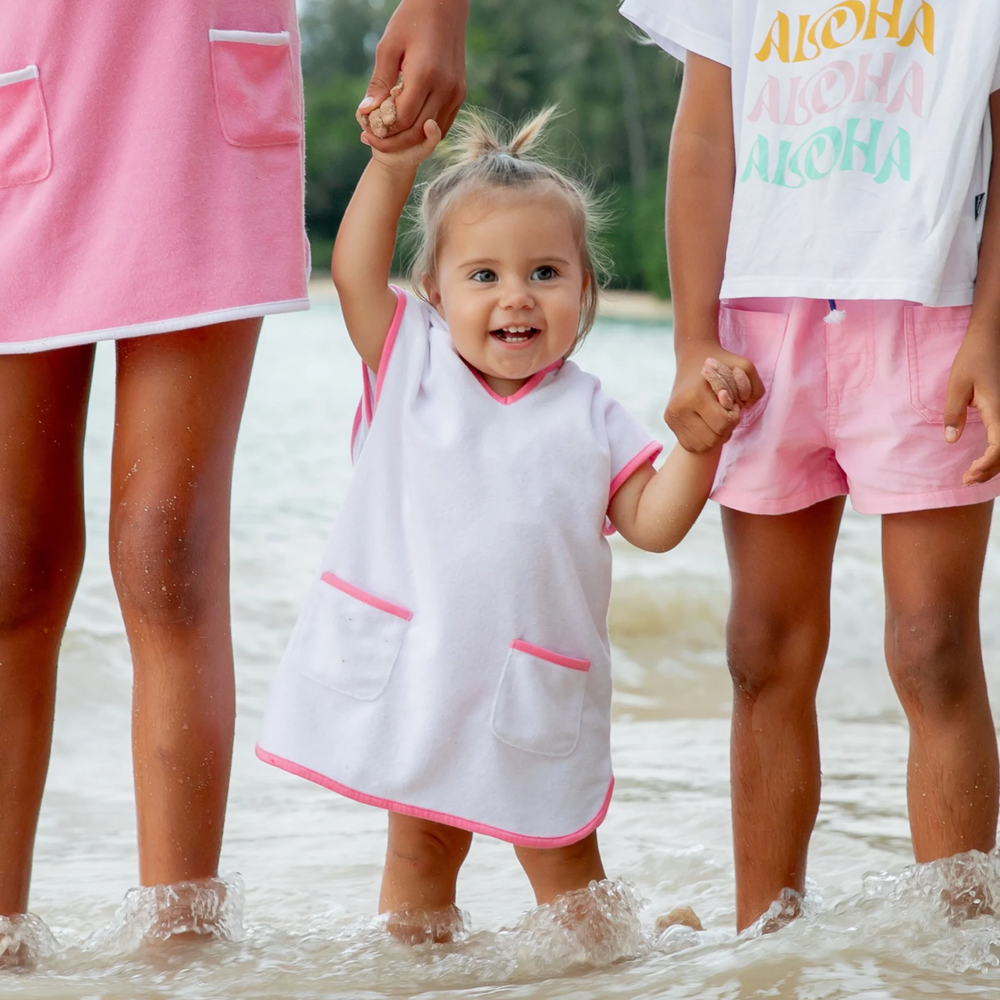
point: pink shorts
(854, 409)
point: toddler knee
(158, 562)
(429, 853)
(926, 656)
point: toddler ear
(431, 290)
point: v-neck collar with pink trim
(532, 383)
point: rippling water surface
(308, 862)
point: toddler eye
(484, 274)
(544, 273)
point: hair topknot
(484, 152)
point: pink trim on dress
(366, 393)
(523, 391)
(648, 454)
(545, 654)
(365, 597)
(390, 341)
(430, 814)
(357, 426)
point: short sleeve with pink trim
(704, 27)
(629, 443)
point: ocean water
(302, 865)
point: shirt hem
(157, 326)
(677, 38)
(797, 287)
(520, 840)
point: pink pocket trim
(366, 598)
(436, 817)
(545, 654)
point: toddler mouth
(515, 334)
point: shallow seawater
(300, 910)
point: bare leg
(779, 629)
(179, 402)
(933, 570)
(420, 878)
(43, 405)
(553, 871)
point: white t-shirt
(452, 658)
(862, 158)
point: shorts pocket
(348, 640)
(933, 337)
(539, 702)
(757, 336)
(25, 149)
(256, 90)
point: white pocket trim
(250, 37)
(19, 76)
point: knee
(159, 561)
(40, 563)
(428, 852)
(775, 654)
(928, 658)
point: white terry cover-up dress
(452, 659)
(151, 167)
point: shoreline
(617, 304)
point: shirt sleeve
(704, 27)
(629, 443)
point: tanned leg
(933, 563)
(419, 882)
(179, 402)
(778, 633)
(43, 405)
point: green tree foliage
(618, 99)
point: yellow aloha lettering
(836, 18)
(890, 17)
(778, 40)
(922, 25)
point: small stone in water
(682, 915)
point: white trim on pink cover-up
(437, 817)
(159, 326)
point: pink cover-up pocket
(539, 702)
(256, 93)
(348, 639)
(25, 149)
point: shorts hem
(747, 503)
(962, 496)
(157, 326)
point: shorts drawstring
(835, 316)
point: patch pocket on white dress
(348, 640)
(539, 702)
(256, 90)
(25, 148)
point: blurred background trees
(618, 99)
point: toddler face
(510, 284)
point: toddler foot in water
(679, 916)
(427, 926)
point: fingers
(984, 469)
(722, 381)
(385, 76)
(744, 387)
(956, 409)
(697, 419)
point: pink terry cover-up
(151, 167)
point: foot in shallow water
(427, 926)
(682, 916)
(203, 910)
(23, 939)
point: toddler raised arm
(362, 255)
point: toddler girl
(451, 664)
(828, 178)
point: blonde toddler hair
(482, 161)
